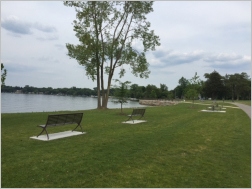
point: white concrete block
(213, 111)
(59, 135)
(135, 121)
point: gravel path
(245, 108)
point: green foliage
(175, 148)
(181, 88)
(153, 94)
(238, 85)
(3, 74)
(150, 90)
(214, 86)
(163, 91)
(192, 94)
(136, 91)
(106, 31)
(194, 87)
(121, 92)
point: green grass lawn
(178, 146)
(246, 102)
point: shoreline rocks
(158, 102)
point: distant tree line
(134, 91)
(74, 91)
(234, 87)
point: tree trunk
(98, 89)
(232, 93)
(104, 101)
(238, 95)
(106, 95)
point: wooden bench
(62, 119)
(137, 112)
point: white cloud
(223, 57)
(164, 61)
(173, 58)
(229, 61)
(15, 25)
(48, 38)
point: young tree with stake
(121, 93)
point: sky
(195, 36)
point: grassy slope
(177, 147)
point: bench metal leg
(130, 117)
(44, 129)
(47, 134)
(76, 128)
(141, 116)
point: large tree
(151, 92)
(137, 91)
(180, 89)
(106, 31)
(163, 91)
(239, 85)
(214, 85)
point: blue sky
(195, 37)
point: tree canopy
(214, 85)
(106, 31)
(194, 87)
(238, 85)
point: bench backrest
(138, 111)
(62, 119)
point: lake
(17, 103)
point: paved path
(245, 108)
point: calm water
(13, 103)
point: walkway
(245, 108)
